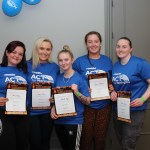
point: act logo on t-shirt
(13, 78)
(93, 70)
(119, 78)
(39, 77)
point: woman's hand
(51, 99)
(74, 87)
(113, 96)
(111, 87)
(136, 103)
(90, 90)
(53, 113)
(3, 101)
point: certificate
(99, 85)
(123, 106)
(64, 101)
(16, 94)
(41, 92)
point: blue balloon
(12, 7)
(32, 2)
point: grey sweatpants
(128, 133)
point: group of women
(33, 131)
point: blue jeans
(128, 133)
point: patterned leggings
(95, 127)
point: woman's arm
(85, 100)
(139, 101)
(53, 113)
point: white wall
(63, 21)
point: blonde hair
(65, 49)
(35, 57)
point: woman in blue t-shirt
(41, 69)
(69, 128)
(130, 74)
(97, 114)
(14, 129)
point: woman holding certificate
(42, 74)
(70, 95)
(97, 114)
(14, 124)
(131, 80)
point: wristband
(142, 99)
(78, 94)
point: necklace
(66, 80)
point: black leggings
(67, 135)
(40, 133)
(14, 132)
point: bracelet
(142, 99)
(78, 94)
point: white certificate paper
(99, 88)
(123, 108)
(16, 100)
(64, 103)
(40, 97)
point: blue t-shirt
(83, 88)
(10, 74)
(44, 72)
(132, 77)
(85, 66)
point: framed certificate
(16, 94)
(123, 106)
(99, 85)
(41, 92)
(64, 101)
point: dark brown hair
(10, 48)
(126, 38)
(93, 32)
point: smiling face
(93, 44)
(44, 52)
(65, 61)
(15, 57)
(123, 49)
